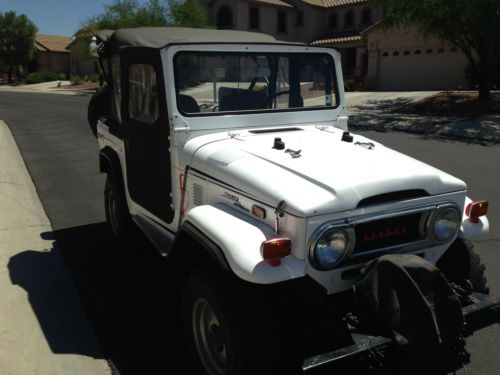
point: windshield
(211, 83)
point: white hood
(329, 176)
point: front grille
(389, 232)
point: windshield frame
(278, 50)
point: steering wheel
(253, 83)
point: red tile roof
(338, 40)
(52, 43)
(333, 3)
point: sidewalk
(43, 327)
(47, 87)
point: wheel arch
(109, 163)
(233, 240)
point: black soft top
(159, 37)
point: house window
(282, 22)
(441, 50)
(385, 54)
(418, 52)
(143, 104)
(366, 16)
(349, 19)
(300, 18)
(406, 53)
(395, 53)
(224, 18)
(333, 21)
(429, 51)
(254, 18)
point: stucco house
(51, 54)
(80, 62)
(371, 56)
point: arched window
(418, 52)
(406, 53)
(385, 54)
(224, 18)
(349, 19)
(333, 21)
(366, 16)
(429, 51)
(395, 53)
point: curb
(43, 327)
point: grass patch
(453, 103)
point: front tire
(462, 265)
(228, 331)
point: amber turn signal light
(274, 249)
(475, 210)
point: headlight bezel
(439, 215)
(320, 234)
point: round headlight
(446, 224)
(330, 248)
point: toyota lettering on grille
(385, 233)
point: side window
(143, 104)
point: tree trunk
(10, 70)
(485, 77)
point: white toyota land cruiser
(300, 246)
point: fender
(470, 230)
(239, 237)
(110, 162)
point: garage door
(422, 69)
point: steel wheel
(208, 337)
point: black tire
(240, 340)
(461, 265)
(121, 226)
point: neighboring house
(373, 57)
(405, 60)
(81, 63)
(51, 54)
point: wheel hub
(209, 337)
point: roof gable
(52, 43)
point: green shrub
(62, 76)
(76, 80)
(39, 77)
(94, 78)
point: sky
(56, 17)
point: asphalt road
(124, 294)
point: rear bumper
(372, 351)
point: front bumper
(372, 352)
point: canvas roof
(159, 37)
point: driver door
(146, 128)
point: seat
(235, 99)
(188, 104)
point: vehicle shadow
(54, 302)
(125, 293)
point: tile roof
(338, 40)
(333, 3)
(52, 43)
(275, 2)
